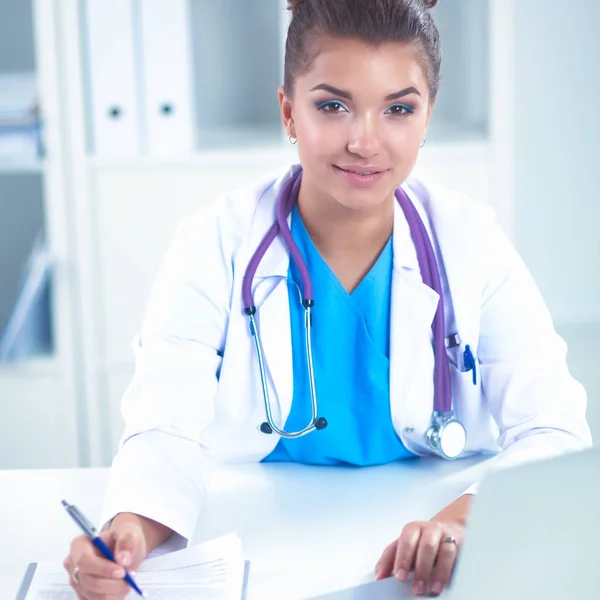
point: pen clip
(470, 364)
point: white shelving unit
(39, 413)
(113, 218)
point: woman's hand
(421, 546)
(92, 576)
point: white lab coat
(196, 395)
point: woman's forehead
(353, 63)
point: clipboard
(26, 583)
(30, 572)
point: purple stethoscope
(446, 436)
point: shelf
(32, 367)
(241, 137)
(253, 156)
(22, 165)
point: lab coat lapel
(413, 307)
(458, 306)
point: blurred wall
(557, 160)
(557, 152)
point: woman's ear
(429, 113)
(286, 112)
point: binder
(167, 74)
(112, 80)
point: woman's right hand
(94, 577)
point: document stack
(19, 118)
(214, 570)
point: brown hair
(374, 21)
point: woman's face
(360, 114)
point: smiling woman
(398, 347)
(359, 90)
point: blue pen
(90, 531)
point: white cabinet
(113, 217)
(38, 409)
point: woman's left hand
(421, 546)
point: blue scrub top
(351, 348)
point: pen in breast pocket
(90, 531)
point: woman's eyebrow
(348, 96)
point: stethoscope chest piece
(447, 436)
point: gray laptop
(534, 533)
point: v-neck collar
(306, 245)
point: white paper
(211, 571)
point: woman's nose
(364, 137)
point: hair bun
(293, 5)
(430, 3)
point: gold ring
(450, 539)
(75, 575)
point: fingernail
(118, 573)
(401, 575)
(124, 558)
(436, 587)
(419, 587)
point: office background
(119, 117)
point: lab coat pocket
(468, 399)
(465, 380)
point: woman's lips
(358, 179)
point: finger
(446, 560)
(93, 569)
(68, 564)
(98, 566)
(76, 587)
(69, 568)
(98, 587)
(427, 551)
(406, 549)
(385, 564)
(79, 546)
(126, 544)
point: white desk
(306, 530)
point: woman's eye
(399, 110)
(331, 107)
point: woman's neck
(335, 229)
(350, 241)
